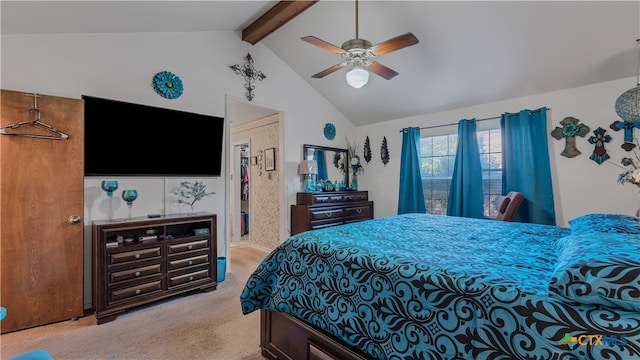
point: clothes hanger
(61, 135)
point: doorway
(262, 129)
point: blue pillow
(606, 223)
(600, 268)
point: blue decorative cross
(628, 132)
(599, 138)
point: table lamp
(308, 168)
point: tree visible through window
(438, 155)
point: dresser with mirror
(320, 209)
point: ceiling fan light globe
(357, 77)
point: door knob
(74, 219)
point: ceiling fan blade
(394, 44)
(379, 69)
(323, 44)
(330, 70)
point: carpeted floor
(198, 326)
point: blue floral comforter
(422, 286)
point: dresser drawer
(188, 246)
(356, 196)
(323, 224)
(183, 263)
(140, 272)
(187, 278)
(327, 198)
(358, 212)
(334, 197)
(326, 214)
(135, 291)
(140, 254)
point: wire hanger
(61, 135)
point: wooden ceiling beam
(273, 19)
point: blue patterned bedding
(419, 286)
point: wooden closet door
(41, 188)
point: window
(438, 155)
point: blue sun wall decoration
(329, 131)
(167, 85)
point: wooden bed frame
(283, 337)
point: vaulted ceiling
(469, 52)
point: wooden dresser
(323, 209)
(169, 255)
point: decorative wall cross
(250, 75)
(628, 132)
(569, 130)
(598, 138)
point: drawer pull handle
(327, 215)
(190, 247)
(359, 211)
(190, 278)
(190, 262)
(137, 291)
(137, 256)
(137, 273)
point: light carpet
(200, 325)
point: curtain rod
(489, 118)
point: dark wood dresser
(323, 209)
(169, 255)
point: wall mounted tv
(125, 139)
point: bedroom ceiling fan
(359, 55)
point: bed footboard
(283, 337)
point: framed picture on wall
(270, 159)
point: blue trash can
(222, 268)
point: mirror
(330, 156)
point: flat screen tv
(126, 139)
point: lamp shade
(308, 167)
(357, 77)
(628, 105)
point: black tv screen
(126, 139)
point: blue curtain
(318, 156)
(411, 195)
(525, 166)
(465, 193)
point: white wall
(121, 66)
(581, 186)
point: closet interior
(244, 191)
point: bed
(420, 286)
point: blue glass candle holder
(110, 186)
(129, 195)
